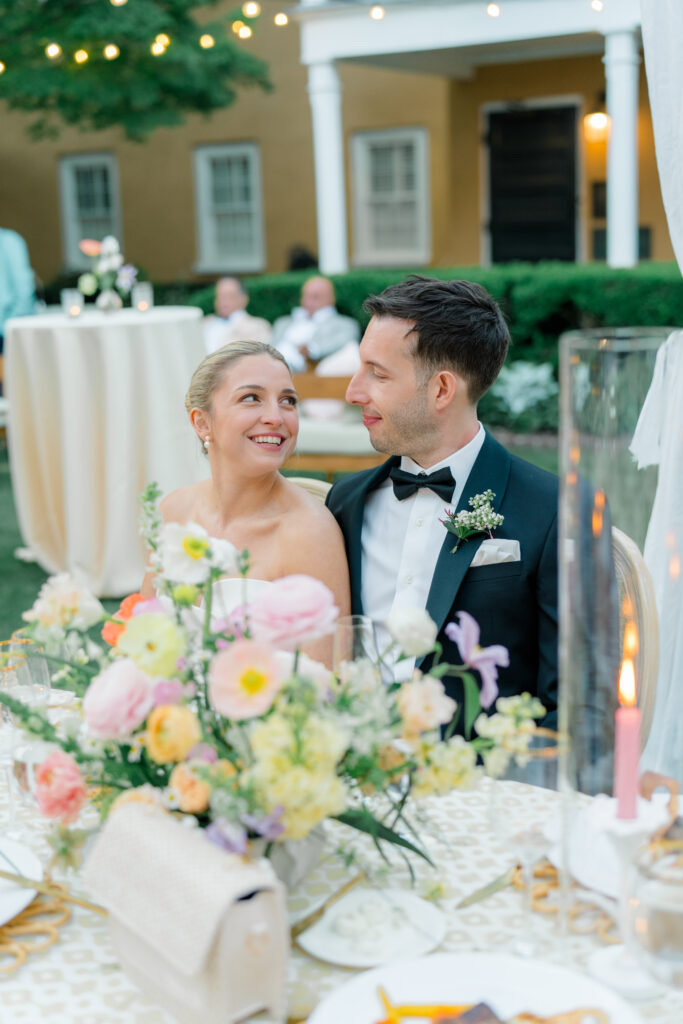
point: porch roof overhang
(452, 37)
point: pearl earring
(207, 441)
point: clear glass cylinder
(605, 375)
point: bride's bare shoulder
(182, 505)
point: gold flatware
(310, 919)
(488, 890)
(51, 889)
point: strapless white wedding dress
(233, 591)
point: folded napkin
(201, 931)
(491, 552)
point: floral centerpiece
(225, 724)
(109, 274)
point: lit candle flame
(631, 640)
(627, 684)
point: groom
(431, 350)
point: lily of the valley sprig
(480, 518)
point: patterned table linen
(78, 981)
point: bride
(243, 407)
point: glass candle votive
(142, 296)
(72, 302)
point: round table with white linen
(78, 981)
(96, 412)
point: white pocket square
(491, 552)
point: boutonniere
(480, 519)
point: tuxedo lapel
(351, 520)
(490, 472)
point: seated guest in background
(314, 329)
(243, 408)
(431, 350)
(17, 288)
(231, 321)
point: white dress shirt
(401, 541)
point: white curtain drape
(659, 435)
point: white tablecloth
(96, 411)
(79, 982)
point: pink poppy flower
(90, 247)
(244, 680)
(484, 659)
(60, 789)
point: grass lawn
(20, 581)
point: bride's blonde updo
(209, 375)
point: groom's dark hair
(458, 325)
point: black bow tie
(405, 484)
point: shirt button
(409, 579)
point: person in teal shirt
(17, 288)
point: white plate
(507, 984)
(368, 927)
(13, 898)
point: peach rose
(172, 732)
(192, 792)
(60, 789)
(118, 701)
(424, 705)
(244, 679)
(292, 611)
(90, 247)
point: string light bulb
(597, 5)
(206, 41)
(377, 12)
(162, 39)
(493, 10)
(245, 32)
(80, 56)
(2, 67)
(118, 3)
(251, 9)
(111, 51)
(236, 26)
(53, 50)
(157, 48)
(281, 19)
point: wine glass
(355, 648)
(14, 680)
(521, 817)
(655, 910)
(34, 652)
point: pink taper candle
(627, 744)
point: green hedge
(539, 300)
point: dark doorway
(532, 184)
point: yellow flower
(154, 642)
(140, 795)
(192, 792)
(445, 766)
(306, 797)
(172, 732)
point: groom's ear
(445, 386)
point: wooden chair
(637, 604)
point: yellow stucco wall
(156, 178)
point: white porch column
(324, 90)
(621, 62)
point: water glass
(355, 647)
(14, 679)
(655, 910)
(523, 820)
(37, 666)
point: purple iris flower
(270, 827)
(231, 838)
(485, 660)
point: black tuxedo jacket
(515, 603)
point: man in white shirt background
(431, 350)
(315, 329)
(231, 321)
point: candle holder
(72, 302)
(604, 379)
(617, 966)
(142, 296)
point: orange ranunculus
(111, 631)
(90, 247)
(193, 793)
(172, 732)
